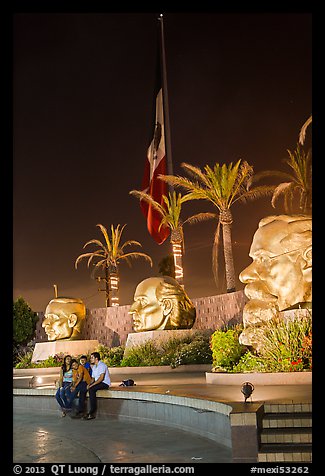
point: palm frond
(199, 217)
(104, 232)
(282, 188)
(84, 256)
(195, 172)
(95, 242)
(148, 198)
(130, 243)
(266, 174)
(302, 134)
(136, 255)
(255, 193)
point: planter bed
(259, 378)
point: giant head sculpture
(280, 276)
(64, 318)
(161, 303)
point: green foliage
(24, 322)
(286, 346)
(24, 361)
(111, 356)
(250, 363)
(187, 351)
(226, 349)
(142, 355)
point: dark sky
(239, 88)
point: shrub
(24, 361)
(226, 349)
(24, 322)
(193, 350)
(250, 363)
(112, 356)
(142, 355)
(286, 345)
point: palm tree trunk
(177, 246)
(226, 222)
(107, 296)
(113, 286)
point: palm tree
(296, 184)
(170, 217)
(108, 256)
(302, 133)
(222, 186)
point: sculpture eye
(262, 260)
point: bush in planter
(142, 355)
(187, 351)
(250, 363)
(287, 345)
(112, 356)
(226, 349)
(25, 361)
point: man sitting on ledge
(100, 381)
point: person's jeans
(61, 396)
(71, 395)
(92, 397)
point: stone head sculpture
(161, 303)
(64, 318)
(280, 276)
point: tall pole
(165, 99)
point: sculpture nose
(134, 307)
(248, 274)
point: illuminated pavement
(40, 438)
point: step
(287, 407)
(286, 435)
(299, 452)
(285, 420)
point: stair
(286, 433)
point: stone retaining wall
(206, 418)
(111, 325)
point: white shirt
(99, 369)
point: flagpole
(165, 101)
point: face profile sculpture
(161, 303)
(280, 276)
(64, 318)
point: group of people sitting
(78, 378)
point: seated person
(100, 381)
(65, 379)
(80, 380)
(83, 361)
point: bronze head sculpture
(64, 318)
(161, 303)
(280, 276)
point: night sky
(239, 87)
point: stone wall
(111, 325)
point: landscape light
(247, 389)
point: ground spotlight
(247, 389)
